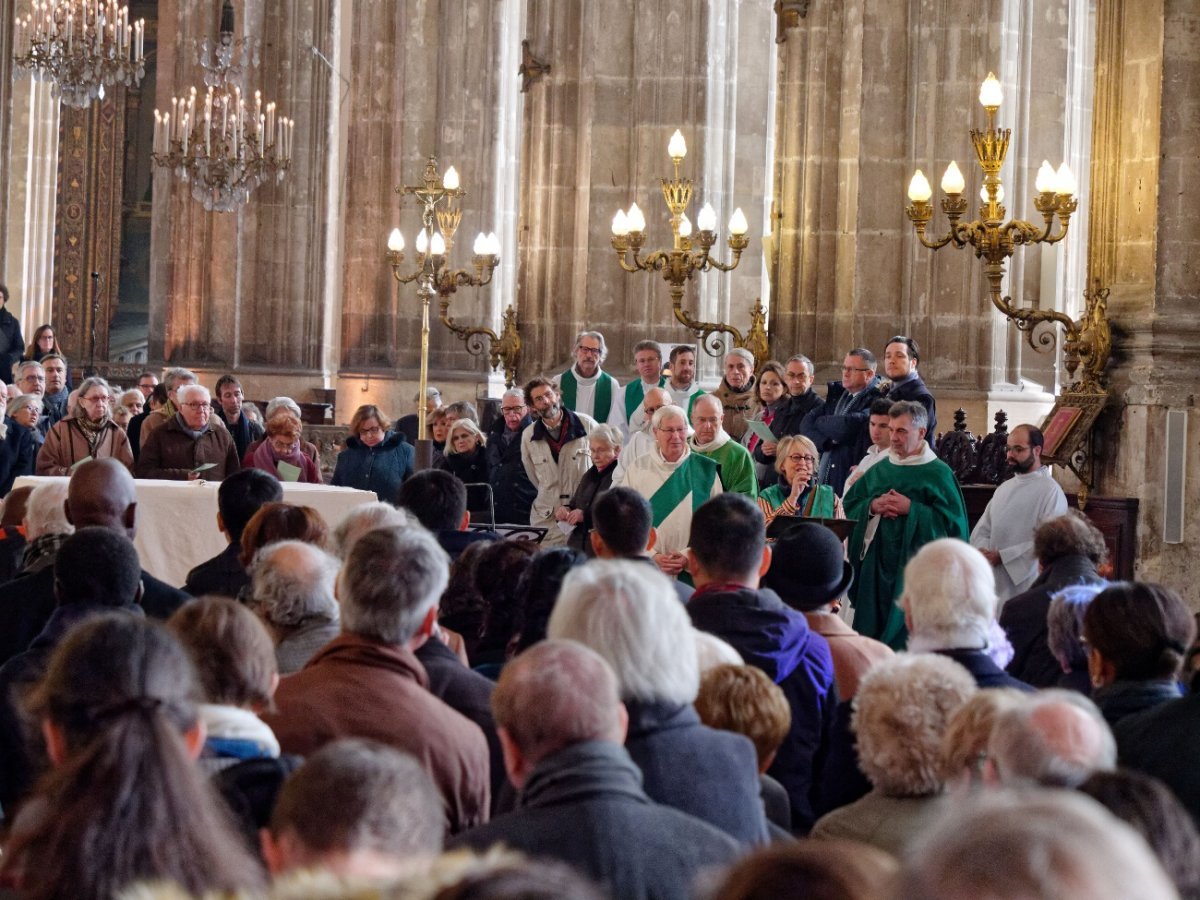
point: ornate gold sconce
(434, 277)
(679, 264)
(1087, 343)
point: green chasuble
(816, 504)
(737, 467)
(635, 393)
(606, 388)
(937, 511)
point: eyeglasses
(96, 399)
(854, 369)
(197, 406)
(803, 458)
(590, 351)
(511, 409)
(673, 431)
(284, 447)
(373, 430)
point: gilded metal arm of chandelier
(1087, 341)
(688, 255)
(440, 218)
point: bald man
(710, 439)
(1055, 739)
(641, 439)
(562, 726)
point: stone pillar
(624, 76)
(6, 84)
(1145, 240)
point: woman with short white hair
(465, 457)
(604, 441)
(631, 616)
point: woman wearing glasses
(796, 460)
(89, 433)
(375, 457)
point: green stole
(635, 393)
(695, 477)
(603, 396)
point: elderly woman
(21, 439)
(375, 457)
(631, 616)
(1137, 635)
(439, 423)
(796, 460)
(277, 406)
(901, 713)
(771, 394)
(133, 400)
(605, 444)
(279, 453)
(1064, 635)
(465, 456)
(90, 433)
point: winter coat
(512, 491)
(381, 468)
(171, 453)
(67, 443)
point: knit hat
(808, 567)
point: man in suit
(839, 425)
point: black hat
(808, 567)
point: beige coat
(66, 444)
(555, 480)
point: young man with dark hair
(438, 500)
(728, 556)
(229, 397)
(239, 497)
(622, 528)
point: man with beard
(555, 453)
(585, 387)
(736, 391)
(902, 503)
(1004, 534)
(710, 439)
(682, 384)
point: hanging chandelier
(223, 142)
(80, 46)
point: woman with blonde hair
(796, 461)
(465, 457)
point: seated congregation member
(728, 555)
(279, 453)
(555, 453)
(95, 571)
(1064, 635)
(281, 522)
(239, 497)
(501, 566)
(155, 400)
(12, 531)
(675, 481)
(438, 500)
(900, 716)
(1148, 806)
(408, 425)
(537, 592)
(838, 427)
(89, 433)
(631, 617)
(1055, 738)
(465, 456)
(282, 406)
(132, 400)
(742, 699)
(363, 518)
(1137, 635)
(367, 683)
(375, 457)
(605, 444)
(124, 802)
(292, 590)
(359, 810)
(20, 441)
(181, 448)
(709, 439)
(770, 394)
(173, 380)
(810, 573)
(622, 529)
(736, 392)
(902, 503)
(439, 426)
(965, 741)
(512, 491)
(1069, 550)
(1056, 845)
(55, 400)
(795, 491)
(232, 412)
(837, 870)
(949, 605)
(582, 800)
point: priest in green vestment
(903, 502)
(586, 388)
(710, 439)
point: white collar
(917, 459)
(716, 443)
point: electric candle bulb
(1066, 181)
(450, 179)
(396, 241)
(480, 246)
(737, 223)
(1046, 179)
(953, 181)
(637, 221)
(990, 93)
(422, 241)
(919, 190)
(999, 193)
(437, 245)
(677, 148)
(707, 219)
(493, 244)
(685, 225)
(620, 225)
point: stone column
(6, 84)
(624, 76)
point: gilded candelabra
(440, 218)
(688, 255)
(1088, 340)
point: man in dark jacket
(900, 359)
(1068, 548)
(242, 428)
(802, 400)
(189, 445)
(581, 799)
(839, 425)
(728, 556)
(12, 344)
(239, 497)
(512, 491)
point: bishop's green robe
(937, 511)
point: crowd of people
(759, 652)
